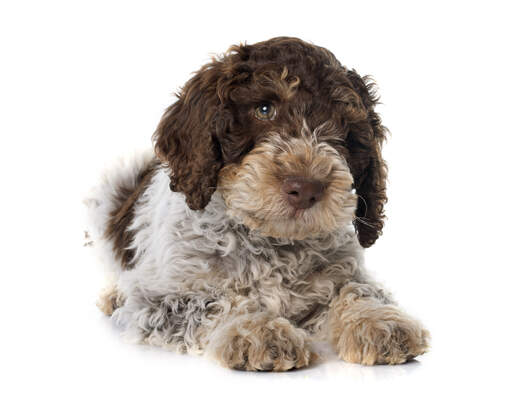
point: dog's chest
(288, 278)
(208, 250)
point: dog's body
(254, 253)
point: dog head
(285, 133)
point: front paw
(377, 335)
(260, 343)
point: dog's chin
(293, 224)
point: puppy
(242, 234)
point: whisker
(365, 222)
(365, 204)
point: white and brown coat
(277, 183)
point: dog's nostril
(302, 193)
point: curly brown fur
(211, 125)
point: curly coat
(207, 128)
(229, 262)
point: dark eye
(265, 111)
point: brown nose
(302, 193)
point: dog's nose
(302, 193)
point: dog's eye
(265, 111)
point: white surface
(81, 83)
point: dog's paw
(259, 343)
(379, 335)
(110, 299)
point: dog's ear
(365, 137)
(185, 140)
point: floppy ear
(369, 170)
(185, 140)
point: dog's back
(110, 207)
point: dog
(241, 234)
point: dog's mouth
(282, 220)
(293, 214)
(297, 213)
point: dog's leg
(260, 342)
(235, 330)
(365, 327)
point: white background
(84, 82)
